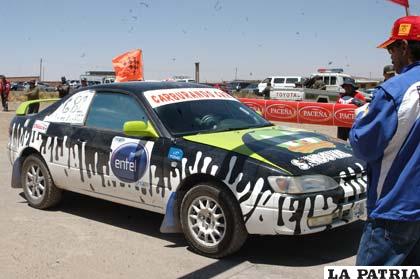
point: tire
(44, 194)
(218, 211)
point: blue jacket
(387, 136)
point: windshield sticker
(40, 126)
(129, 160)
(157, 98)
(73, 110)
(313, 160)
(175, 154)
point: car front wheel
(37, 183)
(212, 221)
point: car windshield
(208, 116)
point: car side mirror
(139, 129)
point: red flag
(128, 66)
(401, 2)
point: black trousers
(4, 101)
(343, 133)
(34, 108)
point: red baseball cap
(405, 28)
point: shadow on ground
(292, 251)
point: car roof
(138, 87)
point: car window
(112, 110)
(186, 118)
(266, 80)
(279, 80)
(327, 80)
(292, 80)
(333, 80)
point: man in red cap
(386, 134)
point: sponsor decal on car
(129, 161)
(73, 110)
(175, 154)
(40, 126)
(307, 145)
(313, 160)
(157, 98)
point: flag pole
(407, 11)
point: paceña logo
(129, 162)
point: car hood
(295, 151)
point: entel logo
(281, 111)
(129, 162)
(345, 115)
(316, 114)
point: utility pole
(197, 72)
(236, 73)
(40, 70)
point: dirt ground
(88, 238)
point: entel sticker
(175, 154)
(40, 126)
(129, 161)
(157, 98)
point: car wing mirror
(139, 129)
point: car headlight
(302, 184)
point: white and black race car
(215, 168)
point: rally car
(215, 168)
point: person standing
(350, 96)
(386, 134)
(389, 72)
(266, 91)
(83, 83)
(33, 94)
(63, 89)
(4, 91)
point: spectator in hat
(350, 96)
(32, 94)
(63, 89)
(386, 135)
(389, 72)
(4, 92)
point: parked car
(17, 86)
(74, 83)
(250, 89)
(236, 86)
(45, 87)
(215, 168)
(279, 82)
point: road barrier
(331, 114)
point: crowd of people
(33, 92)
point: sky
(230, 38)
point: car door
(117, 165)
(62, 152)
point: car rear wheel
(212, 221)
(37, 183)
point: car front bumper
(284, 214)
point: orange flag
(401, 2)
(128, 66)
